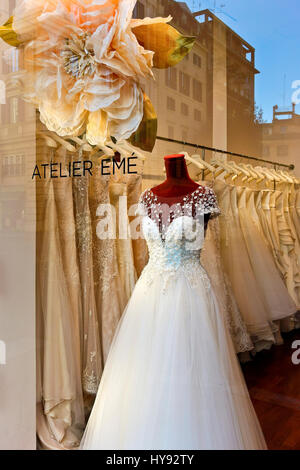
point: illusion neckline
(180, 198)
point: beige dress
(212, 263)
(288, 248)
(92, 364)
(273, 290)
(60, 417)
(109, 295)
(238, 267)
(271, 232)
(294, 201)
(128, 277)
(139, 246)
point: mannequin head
(178, 182)
(176, 168)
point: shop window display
(152, 213)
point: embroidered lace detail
(168, 231)
(158, 267)
(90, 382)
(196, 204)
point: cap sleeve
(141, 207)
(210, 203)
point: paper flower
(84, 60)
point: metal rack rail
(204, 148)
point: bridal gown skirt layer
(172, 379)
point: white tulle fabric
(172, 379)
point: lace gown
(172, 379)
(118, 197)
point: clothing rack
(290, 167)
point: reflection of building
(281, 137)
(17, 252)
(17, 137)
(208, 98)
(231, 60)
(179, 93)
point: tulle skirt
(172, 380)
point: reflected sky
(272, 27)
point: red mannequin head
(176, 167)
(178, 181)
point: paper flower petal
(102, 92)
(84, 61)
(146, 21)
(145, 136)
(126, 115)
(97, 128)
(8, 34)
(169, 46)
(25, 18)
(64, 119)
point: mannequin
(178, 182)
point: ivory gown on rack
(263, 207)
(172, 379)
(289, 247)
(127, 272)
(276, 297)
(238, 267)
(109, 292)
(212, 262)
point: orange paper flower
(84, 63)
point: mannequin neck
(176, 169)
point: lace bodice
(175, 235)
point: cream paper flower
(83, 65)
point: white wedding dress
(172, 380)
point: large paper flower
(84, 60)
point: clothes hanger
(255, 175)
(62, 142)
(281, 179)
(82, 142)
(269, 175)
(260, 176)
(287, 176)
(264, 174)
(132, 149)
(120, 149)
(251, 173)
(293, 177)
(49, 141)
(219, 169)
(235, 169)
(223, 167)
(208, 166)
(192, 160)
(239, 168)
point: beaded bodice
(175, 234)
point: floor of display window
(274, 385)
